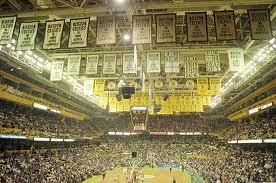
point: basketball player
(174, 179)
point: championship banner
(202, 86)
(27, 35)
(129, 66)
(225, 25)
(165, 28)
(191, 67)
(73, 67)
(53, 33)
(78, 33)
(206, 100)
(106, 32)
(88, 86)
(141, 29)
(7, 25)
(212, 59)
(99, 87)
(197, 26)
(109, 64)
(153, 62)
(172, 61)
(56, 71)
(92, 64)
(198, 105)
(215, 86)
(260, 24)
(236, 59)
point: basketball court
(151, 175)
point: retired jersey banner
(202, 86)
(106, 30)
(260, 24)
(53, 33)
(88, 86)
(109, 64)
(6, 29)
(153, 62)
(197, 26)
(73, 67)
(128, 63)
(212, 59)
(27, 35)
(99, 87)
(78, 33)
(215, 86)
(172, 61)
(225, 25)
(191, 67)
(236, 59)
(141, 29)
(56, 71)
(165, 28)
(92, 64)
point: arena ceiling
(43, 10)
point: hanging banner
(215, 86)
(27, 35)
(206, 100)
(260, 24)
(236, 59)
(191, 67)
(99, 87)
(56, 71)
(172, 61)
(197, 26)
(202, 86)
(129, 66)
(92, 64)
(73, 67)
(78, 33)
(106, 30)
(7, 25)
(88, 86)
(53, 33)
(141, 29)
(212, 60)
(109, 64)
(225, 25)
(153, 62)
(165, 28)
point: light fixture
(120, 1)
(126, 37)
(9, 45)
(13, 41)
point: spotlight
(120, 1)
(126, 37)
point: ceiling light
(272, 41)
(120, 1)
(20, 52)
(9, 45)
(13, 41)
(126, 37)
(29, 52)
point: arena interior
(137, 91)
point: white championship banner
(236, 59)
(56, 71)
(260, 24)
(153, 62)
(225, 25)
(212, 59)
(92, 64)
(88, 86)
(53, 33)
(165, 28)
(172, 61)
(73, 66)
(78, 33)
(106, 32)
(27, 36)
(109, 64)
(191, 67)
(6, 29)
(197, 26)
(141, 29)
(129, 66)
